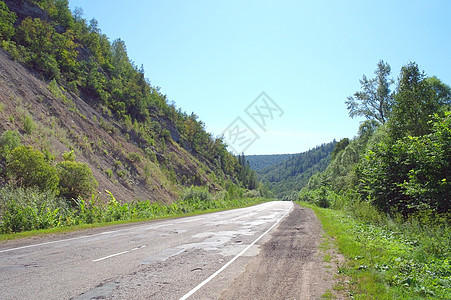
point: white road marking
(120, 253)
(190, 293)
(78, 238)
(54, 242)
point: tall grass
(390, 257)
(29, 209)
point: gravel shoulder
(290, 265)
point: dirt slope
(66, 122)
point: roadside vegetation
(26, 209)
(386, 194)
(132, 135)
(393, 258)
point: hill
(65, 87)
(293, 173)
(261, 162)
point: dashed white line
(54, 242)
(190, 293)
(117, 254)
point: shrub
(76, 179)
(28, 168)
(28, 124)
(9, 141)
(197, 193)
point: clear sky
(214, 58)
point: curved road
(198, 257)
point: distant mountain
(261, 162)
(293, 173)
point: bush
(28, 124)
(9, 141)
(76, 180)
(197, 193)
(28, 168)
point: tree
(375, 99)
(38, 37)
(7, 19)
(415, 102)
(27, 168)
(76, 179)
(442, 90)
(411, 173)
(341, 145)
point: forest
(286, 175)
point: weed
(391, 259)
(29, 209)
(327, 258)
(28, 123)
(109, 173)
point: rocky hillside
(76, 96)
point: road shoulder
(297, 262)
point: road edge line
(190, 293)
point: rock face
(62, 121)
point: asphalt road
(195, 257)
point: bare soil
(291, 265)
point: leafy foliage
(29, 208)
(76, 180)
(28, 168)
(7, 19)
(402, 165)
(416, 101)
(25, 209)
(375, 99)
(9, 141)
(413, 173)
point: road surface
(260, 252)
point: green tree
(38, 37)
(412, 173)
(442, 91)
(76, 179)
(415, 102)
(27, 167)
(375, 99)
(341, 145)
(7, 19)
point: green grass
(391, 260)
(43, 214)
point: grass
(28, 212)
(392, 259)
(74, 228)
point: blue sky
(214, 58)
